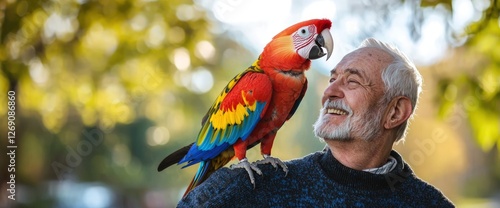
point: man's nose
(333, 91)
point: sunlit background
(106, 89)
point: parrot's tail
(174, 157)
(200, 176)
(208, 167)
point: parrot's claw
(274, 162)
(248, 167)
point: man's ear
(398, 111)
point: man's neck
(360, 154)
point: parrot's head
(294, 47)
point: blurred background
(105, 89)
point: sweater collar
(384, 169)
(362, 179)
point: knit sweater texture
(316, 180)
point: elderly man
(372, 94)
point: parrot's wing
(233, 115)
(297, 102)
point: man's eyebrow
(356, 71)
(350, 71)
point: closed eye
(352, 81)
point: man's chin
(326, 130)
(331, 133)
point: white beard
(324, 131)
(365, 125)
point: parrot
(256, 103)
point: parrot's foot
(248, 167)
(274, 162)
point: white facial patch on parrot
(303, 40)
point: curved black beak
(323, 40)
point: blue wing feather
(214, 139)
(208, 150)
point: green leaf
(485, 124)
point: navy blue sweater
(317, 180)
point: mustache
(338, 104)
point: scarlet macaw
(256, 103)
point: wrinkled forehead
(368, 61)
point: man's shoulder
(240, 177)
(218, 189)
(228, 185)
(305, 161)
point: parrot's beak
(323, 40)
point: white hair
(401, 78)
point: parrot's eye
(304, 32)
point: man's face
(352, 101)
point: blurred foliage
(469, 88)
(100, 57)
(475, 86)
(127, 71)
